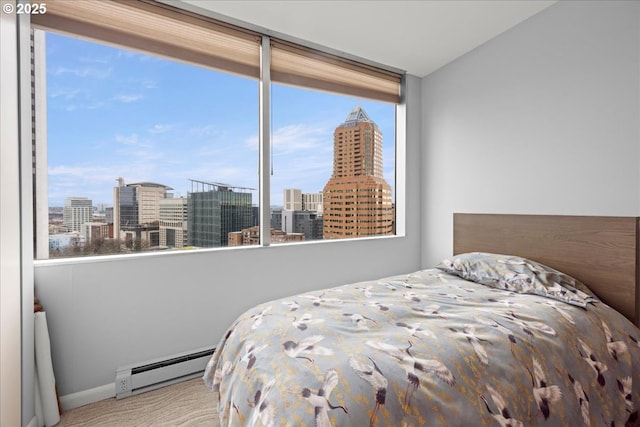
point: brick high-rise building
(357, 200)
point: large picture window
(149, 118)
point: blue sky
(114, 113)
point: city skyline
(114, 113)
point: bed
(529, 322)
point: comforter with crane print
(427, 349)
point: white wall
(17, 362)
(543, 119)
(109, 312)
(10, 282)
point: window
(331, 180)
(134, 140)
(153, 138)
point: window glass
(145, 153)
(148, 141)
(333, 166)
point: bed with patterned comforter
(482, 340)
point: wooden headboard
(600, 251)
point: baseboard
(33, 422)
(81, 398)
(93, 395)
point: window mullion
(39, 93)
(265, 141)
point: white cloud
(75, 171)
(123, 53)
(159, 128)
(149, 84)
(106, 59)
(66, 94)
(131, 139)
(128, 98)
(83, 106)
(204, 131)
(295, 138)
(302, 158)
(235, 174)
(97, 73)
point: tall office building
(77, 211)
(308, 223)
(136, 211)
(173, 222)
(312, 202)
(276, 219)
(215, 210)
(296, 200)
(357, 200)
(292, 199)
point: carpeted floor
(186, 404)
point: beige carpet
(187, 404)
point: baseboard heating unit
(153, 374)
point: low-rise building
(251, 236)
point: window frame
(268, 38)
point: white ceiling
(414, 36)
